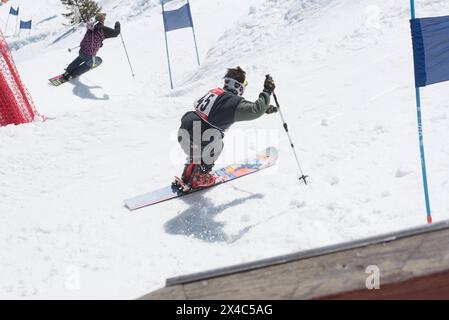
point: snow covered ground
(345, 81)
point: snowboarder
(96, 33)
(202, 130)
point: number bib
(204, 105)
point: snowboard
(58, 80)
(262, 160)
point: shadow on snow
(85, 92)
(198, 220)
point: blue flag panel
(25, 24)
(178, 19)
(13, 11)
(430, 50)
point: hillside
(344, 79)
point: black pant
(197, 150)
(82, 64)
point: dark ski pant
(81, 64)
(198, 152)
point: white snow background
(344, 76)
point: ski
(262, 160)
(58, 80)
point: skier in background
(217, 110)
(91, 43)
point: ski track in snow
(345, 82)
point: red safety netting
(16, 105)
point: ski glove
(269, 85)
(271, 109)
(117, 26)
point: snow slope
(344, 75)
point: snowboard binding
(195, 183)
(180, 187)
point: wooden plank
(419, 252)
(172, 293)
(432, 287)
(306, 254)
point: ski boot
(202, 177)
(182, 184)
(67, 76)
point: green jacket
(247, 110)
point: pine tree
(87, 10)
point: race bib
(204, 105)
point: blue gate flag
(178, 19)
(13, 11)
(430, 49)
(25, 24)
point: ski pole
(302, 176)
(70, 49)
(127, 56)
